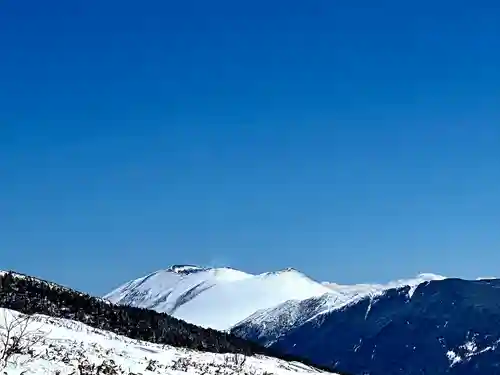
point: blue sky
(355, 141)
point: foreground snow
(67, 344)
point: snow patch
(453, 357)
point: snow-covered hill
(69, 347)
(215, 297)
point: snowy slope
(267, 325)
(215, 297)
(66, 344)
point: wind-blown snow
(215, 297)
(357, 290)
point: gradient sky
(357, 141)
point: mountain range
(223, 298)
(426, 325)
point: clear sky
(357, 141)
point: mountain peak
(217, 298)
(282, 271)
(186, 269)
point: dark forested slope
(34, 296)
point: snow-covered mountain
(221, 298)
(216, 298)
(441, 327)
(59, 346)
(268, 325)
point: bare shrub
(236, 361)
(18, 338)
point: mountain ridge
(443, 327)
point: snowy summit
(199, 295)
